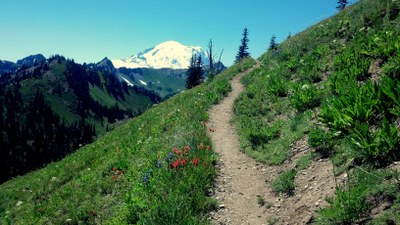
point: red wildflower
(184, 161)
(200, 146)
(114, 177)
(119, 172)
(186, 149)
(196, 161)
(208, 147)
(177, 151)
(114, 169)
(175, 164)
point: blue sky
(89, 30)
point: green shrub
(259, 133)
(322, 141)
(277, 85)
(312, 68)
(357, 105)
(284, 183)
(366, 189)
(345, 208)
(389, 96)
(378, 147)
(305, 97)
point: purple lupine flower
(169, 157)
(146, 177)
(159, 164)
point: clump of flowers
(116, 173)
(146, 178)
(186, 149)
(183, 157)
(196, 161)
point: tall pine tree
(195, 72)
(243, 48)
(341, 4)
(272, 43)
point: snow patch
(127, 81)
(142, 82)
(170, 54)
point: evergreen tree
(272, 43)
(195, 72)
(289, 35)
(243, 48)
(341, 4)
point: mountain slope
(331, 92)
(132, 174)
(52, 107)
(324, 84)
(170, 54)
(7, 66)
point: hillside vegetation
(51, 107)
(336, 85)
(155, 169)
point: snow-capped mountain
(170, 54)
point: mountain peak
(31, 60)
(170, 43)
(106, 64)
(169, 54)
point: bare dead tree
(210, 54)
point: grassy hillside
(337, 85)
(155, 169)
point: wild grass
(304, 162)
(367, 189)
(284, 183)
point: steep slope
(53, 106)
(330, 92)
(7, 66)
(141, 172)
(31, 60)
(27, 62)
(169, 54)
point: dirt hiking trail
(241, 180)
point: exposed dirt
(241, 180)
